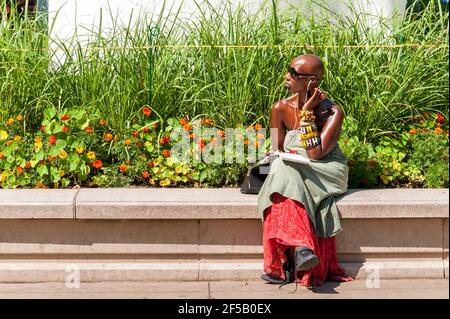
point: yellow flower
(9, 121)
(17, 138)
(164, 182)
(3, 135)
(79, 150)
(3, 176)
(91, 155)
(61, 173)
(19, 117)
(62, 154)
(151, 181)
(38, 142)
(396, 165)
(385, 179)
(9, 142)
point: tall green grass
(380, 87)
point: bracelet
(307, 115)
(308, 128)
(304, 137)
(312, 142)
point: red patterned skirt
(286, 224)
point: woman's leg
(287, 225)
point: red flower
(412, 131)
(145, 174)
(27, 164)
(65, 129)
(166, 153)
(146, 111)
(164, 140)
(146, 129)
(155, 126)
(89, 129)
(151, 163)
(98, 164)
(52, 139)
(19, 170)
(65, 117)
(440, 118)
(135, 134)
(123, 168)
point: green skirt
(315, 185)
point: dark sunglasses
(295, 74)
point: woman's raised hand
(314, 100)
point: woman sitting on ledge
(296, 201)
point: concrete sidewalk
(388, 289)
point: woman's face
(297, 81)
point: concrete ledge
(37, 203)
(217, 203)
(17, 271)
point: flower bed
(75, 147)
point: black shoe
(304, 259)
(272, 279)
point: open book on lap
(292, 157)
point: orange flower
(412, 131)
(52, 139)
(89, 129)
(19, 170)
(192, 136)
(146, 111)
(187, 126)
(65, 129)
(151, 163)
(9, 121)
(221, 133)
(103, 122)
(108, 137)
(372, 163)
(97, 164)
(19, 117)
(246, 142)
(135, 134)
(164, 140)
(65, 117)
(440, 118)
(438, 130)
(214, 140)
(166, 153)
(127, 141)
(146, 129)
(183, 121)
(2, 155)
(27, 164)
(123, 168)
(50, 158)
(257, 144)
(207, 121)
(145, 174)
(258, 126)
(155, 126)
(40, 185)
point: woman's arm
(329, 136)
(276, 122)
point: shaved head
(310, 64)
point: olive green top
(315, 185)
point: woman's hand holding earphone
(314, 100)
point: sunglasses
(295, 74)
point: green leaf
(54, 151)
(65, 182)
(49, 113)
(42, 170)
(60, 144)
(54, 173)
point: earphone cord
(306, 98)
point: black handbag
(255, 177)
